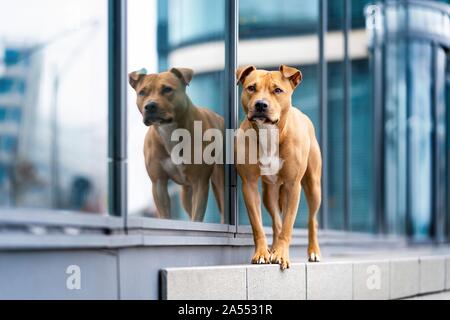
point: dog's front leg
(253, 203)
(161, 198)
(290, 199)
(200, 194)
(271, 193)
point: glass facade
(53, 106)
(411, 40)
(272, 23)
(184, 27)
(409, 144)
(76, 191)
(389, 175)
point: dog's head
(267, 95)
(161, 98)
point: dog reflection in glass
(166, 107)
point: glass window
(336, 146)
(447, 167)
(396, 156)
(420, 128)
(264, 31)
(362, 218)
(336, 116)
(262, 44)
(179, 93)
(183, 29)
(53, 105)
(293, 17)
(361, 146)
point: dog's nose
(151, 106)
(261, 106)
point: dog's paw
(314, 254)
(280, 255)
(262, 256)
(314, 257)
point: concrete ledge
(269, 283)
(329, 281)
(395, 278)
(371, 280)
(447, 274)
(432, 274)
(221, 283)
(404, 278)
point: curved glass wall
(409, 40)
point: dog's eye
(142, 93)
(251, 88)
(278, 91)
(167, 90)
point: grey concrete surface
(404, 278)
(219, 283)
(371, 280)
(432, 274)
(270, 283)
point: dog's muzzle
(155, 119)
(152, 115)
(260, 113)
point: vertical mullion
(377, 67)
(117, 111)
(231, 104)
(347, 117)
(384, 223)
(435, 147)
(409, 227)
(323, 105)
(439, 114)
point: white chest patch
(175, 172)
(165, 132)
(270, 166)
(270, 163)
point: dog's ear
(184, 74)
(243, 73)
(294, 75)
(135, 77)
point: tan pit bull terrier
(165, 107)
(267, 102)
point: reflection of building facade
(271, 35)
(38, 157)
(409, 45)
(17, 94)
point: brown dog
(267, 101)
(165, 107)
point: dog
(267, 102)
(166, 107)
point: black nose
(152, 106)
(261, 106)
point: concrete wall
(125, 273)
